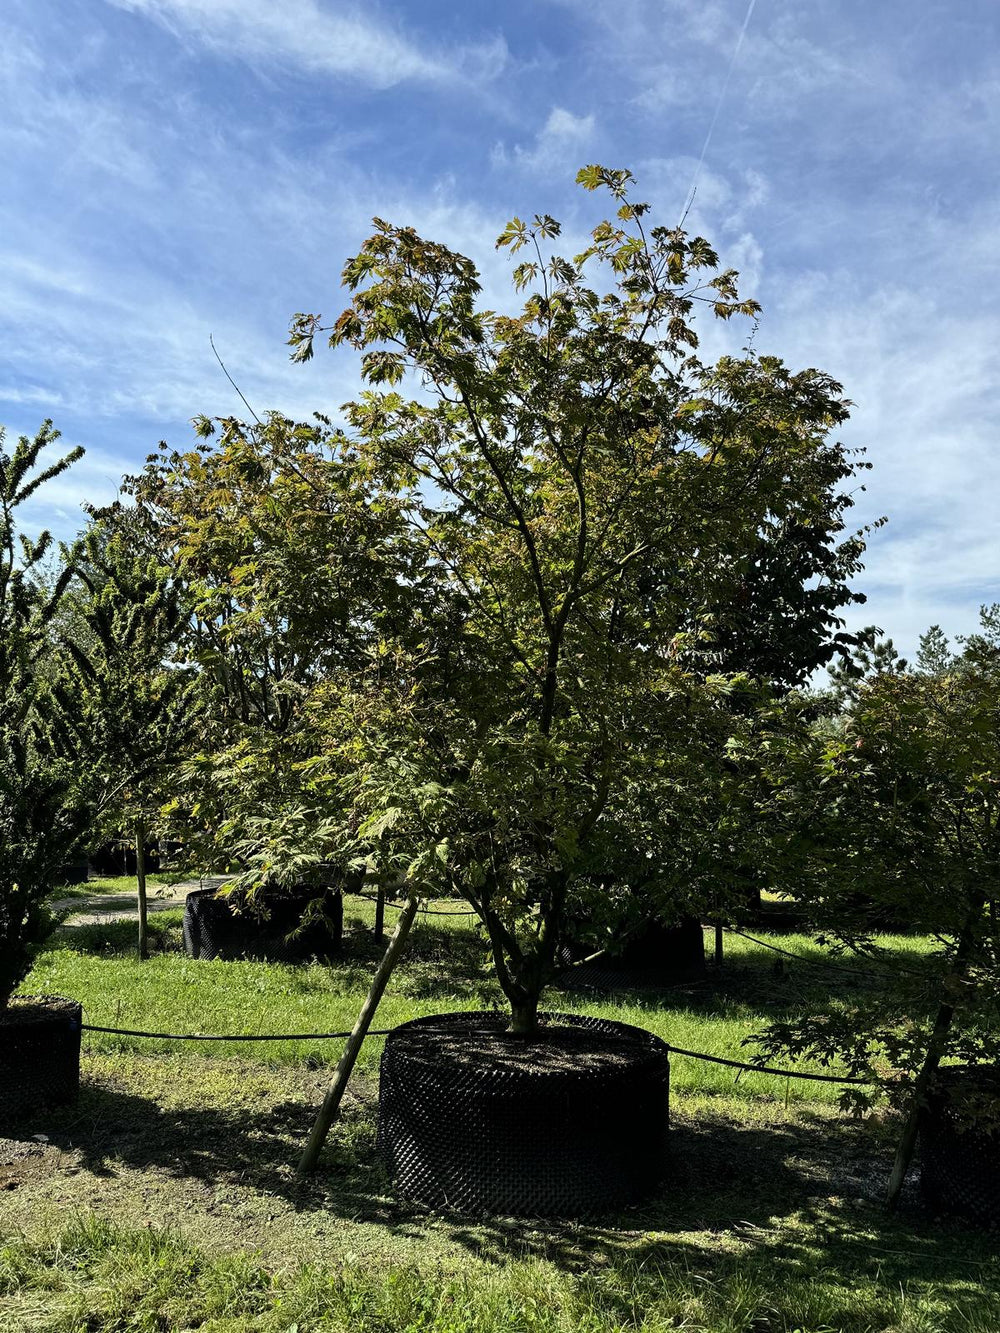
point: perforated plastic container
(960, 1144)
(477, 1121)
(39, 1053)
(212, 929)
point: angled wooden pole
(331, 1102)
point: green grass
(124, 884)
(176, 1168)
(441, 972)
(95, 1277)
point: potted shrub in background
(898, 790)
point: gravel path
(105, 907)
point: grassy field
(166, 1198)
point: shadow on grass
(121, 937)
(801, 1196)
(445, 961)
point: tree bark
(331, 1102)
(140, 881)
(932, 1058)
(524, 1017)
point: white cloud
(558, 145)
(321, 40)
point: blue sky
(173, 169)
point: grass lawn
(98, 886)
(166, 1197)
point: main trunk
(524, 1017)
(936, 1047)
(524, 972)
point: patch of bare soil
(21, 1160)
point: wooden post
(331, 1102)
(140, 880)
(379, 931)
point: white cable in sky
(718, 107)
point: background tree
(123, 689)
(46, 801)
(290, 571)
(901, 800)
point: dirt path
(105, 907)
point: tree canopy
(494, 635)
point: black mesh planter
(650, 958)
(960, 1144)
(39, 1053)
(477, 1121)
(212, 929)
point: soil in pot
(39, 1053)
(960, 1144)
(573, 1123)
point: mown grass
(93, 1277)
(442, 971)
(177, 1166)
(108, 884)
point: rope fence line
(820, 962)
(421, 911)
(730, 930)
(385, 1032)
(236, 1036)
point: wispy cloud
(319, 39)
(175, 168)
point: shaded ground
(209, 1147)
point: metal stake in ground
(331, 1102)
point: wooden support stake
(379, 931)
(140, 881)
(331, 1102)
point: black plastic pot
(652, 957)
(476, 1121)
(118, 858)
(960, 1144)
(677, 950)
(212, 928)
(39, 1053)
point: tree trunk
(140, 880)
(932, 1058)
(331, 1102)
(524, 1016)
